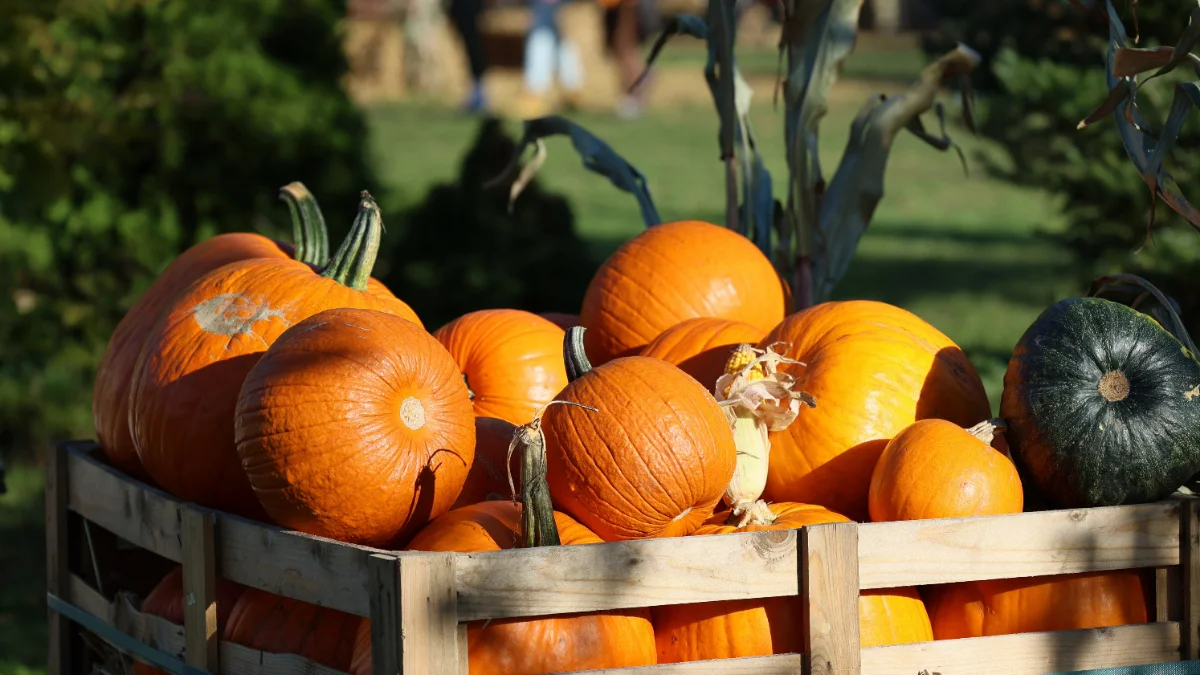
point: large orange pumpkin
(937, 469)
(700, 347)
(166, 601)
(355, 425)
(532, 646)
(185, 386)
(279, 625)
(673, 272)
(512, 359)
(873, 369)
(1034, 604)
(488, 478)
(654, 458)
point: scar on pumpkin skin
(1195, 392)
(233, 314)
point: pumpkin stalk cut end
(537, 509)
(352, 264)
(574, 354)
(986, 430)
(308, 224)
(757, 398)
(1114, 386)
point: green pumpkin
(1102, 405)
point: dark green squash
(1102, 405)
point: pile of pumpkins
(280, 383)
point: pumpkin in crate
(355, 425)
(1103, 405)
(165, 601)
(110, 395)
(873, 369)
(645, 452)
(185, 387)
(937, 469)
(700, 347)
(1035, 604)
(761, 627)
(673, 272)
(279, 625)
(512, 360)
(487, 480)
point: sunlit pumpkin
(279, 625)
(166, 601)
(673, 272)
(487, 479)
(873, 369)
(700, 347)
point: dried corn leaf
(682, 24)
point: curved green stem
(351, 265)
(574, 354)
(1166, 315)
(308, 224)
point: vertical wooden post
(58, 570)
(829, 584)
(414, 614)
(1189, 568)
(201, 639)
(383, 585)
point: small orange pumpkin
(279, 625)
(487, 479)
(700, 347)
(166, 601)
(512, 360)
(355, 425)
(673, 272)
(937, 469)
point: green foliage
(129, 130)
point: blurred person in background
(627, 24)
(546, 51)
(464, 14)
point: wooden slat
(200, 588)
(830, 587)
(1030, 653)
(239, 660)
(58, 572)
(1021, 545)
(1162, 597)
(1189, 522)
(384, 585)
(783, 664)
(428, 615)
(129, 509)
(562, 579)
(464, 666)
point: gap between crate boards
(657, 572)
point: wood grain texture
(58, 572)
(781, 664)
(1030, 653)
(384, 587)
(921, 552)
(428, 614)
(829, 582)
(200, 588)
(1189, 527)
(561, 579)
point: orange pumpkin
(512, 359)
(673, 272)
(563, 321)
(873, 369)
(487, 479)
(279, 625)
(355, 425)
(166, 601)
(654, 458)
(185, 386)
(736, 628)
(1034, 604)
(700, 347)
(531, 646)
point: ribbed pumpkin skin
(563, 321)
(110, 395)
(736, 628)
(700, 347)
(653, 461)
(936, 469)
(166, 601)
(279, 625)
(488, 478)
(673, 272)
(563, 643)
(513, 360)
(1063, 602)
(355, 425)
(874, 369)
(1074, 445)
(186, 383)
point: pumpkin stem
(751, 513)
(308, 224)
(537, 509)
(986, 431)
(351, 265)
(574, 354)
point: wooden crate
(418, 602)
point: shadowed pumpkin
(673, 272)
(279, 625)
(512, 360)
(166, 601)
(487, 479)
(355, 425)
(700, 347)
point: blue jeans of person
(545, 51)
